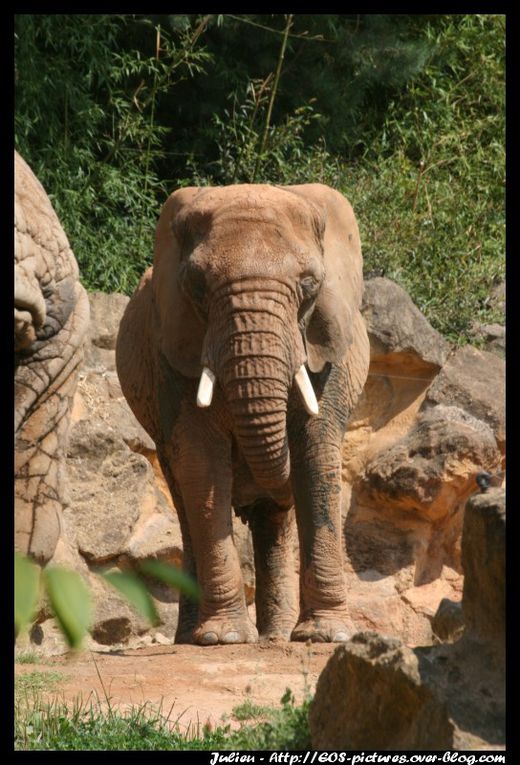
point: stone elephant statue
(242, 353)
(51, 314)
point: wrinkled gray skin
(252, 282)
(51, 314)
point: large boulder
(377, 693)
(473, 380)
(397, 328)
(106, 312)
(408, 468)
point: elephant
(51, 314)
(242, 353)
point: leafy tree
(86, 122)
(403, 113)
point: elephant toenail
(340, 637)
(209, 638)
(231, 637)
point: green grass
(30, 657)
(424, 232)
(84, 725)
(38, 681)
(249, 711)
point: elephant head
(251, 286)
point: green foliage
(85, 123)
(171, 576)
(402, 113)
(35, 682)
(27, 587)
(135, 593)
(249, 711)
(430, 191)
(41, 725)
(286, 729)
(70, 601)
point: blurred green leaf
(70, 601)
(26, 588)
(135, 592)
(173, 577)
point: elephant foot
(225, 630)
(276, 633)
(321, 629)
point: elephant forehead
(249, 203)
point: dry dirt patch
(199, 684)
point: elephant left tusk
(305, 386)
(206, 385)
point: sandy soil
(200, 685)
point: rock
(47, 639)
(407, 505)
(397, 328)
(158, 536)
(406, 354)
(110, 486)
(376, 693)
(99, 397)
(483, 561)
(409, 550)
(406, 478)
(114, 620)
(161, 639)
(105, 312)
(474, 381)
(433, 469)
(370, 695)
(448, 621)
(497, 298)
(493, 336)
(426, 598)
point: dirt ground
(200, 685)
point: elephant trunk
(258, 352)
(29, 309)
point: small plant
(33, 682)
(248, 710)
(30, 657)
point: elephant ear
(180, 329)
(331, 326)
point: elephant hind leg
(274, 537)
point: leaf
(173, 577)
(26, 588)
(135, 592)
(70, 601)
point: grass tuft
(86, 725)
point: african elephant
(251, 286)
(51, 315)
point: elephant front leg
(317, 493)
(188, 608)
(203, 476)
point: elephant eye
(309, 285)
(193, 282)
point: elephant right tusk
(304, 384)
(206, 385)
